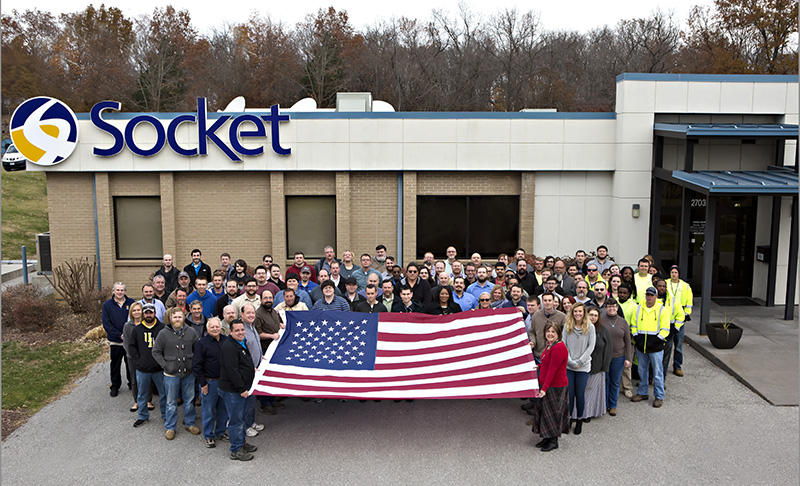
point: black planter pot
(722, 338)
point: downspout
(400, 218)
(96, 230)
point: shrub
(75, 282)
(27, 308)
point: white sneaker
(251, 432)
(258, 427)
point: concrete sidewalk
(766, 360)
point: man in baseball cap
(650, 328)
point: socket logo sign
(44, 130)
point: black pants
(117, 357)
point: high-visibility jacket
(591, 285)
(650, 327)
(680, 295)
(628, 310)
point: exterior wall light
(635, 211)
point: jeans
(646, 360)
(613, 377)
(185, 386)
(143, 379)
(117, 357)
(266, 400)
(577, 390)
(675, 339)
(250, 410)
(215, 415)
(234, 403)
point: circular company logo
(44, 130)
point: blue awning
(715, 182)
(726, 130)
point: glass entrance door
(734, 245)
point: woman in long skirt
(601, 360)
(551, 409)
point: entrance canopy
(725, 130)
(777, 182)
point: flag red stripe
(449, 347)
(452, 359)
(275, 375)
(414, 338)
(425, 318)
(487, 380)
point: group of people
(198, 335)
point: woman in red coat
(551, 409)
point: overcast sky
(579, 15)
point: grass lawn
(32, 376)
(24, 204)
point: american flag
(475, 354)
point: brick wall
(373, 212)
(70, 204)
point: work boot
(553, 444)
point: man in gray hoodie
(173, 350)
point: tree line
(451, 61)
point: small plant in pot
(725, 334)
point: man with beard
(602, 261)
(147, 368)
(231, 293)
(170, 274)
(650, 329)
(566, 284)
(516, 300)
(600, 297)
(481, 285)
(275, 276)
(420, 289)
(469, 273)
(582, 293)
(379, 260)
(183, 283)
(217, 287)
(519, 259)
(268, 323)
(329, 301)
(627, 310)
(580, 261)
(462, 298)
(250, 296)
(228, 316)
(527, 281)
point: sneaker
(251, 432)
(249, 447)
(657, 403)
(628, 394)
(210, 443)
(139, 422)
(258, 427)
(223, 437)
(114, 392)
(193, 429)
(678, 372)
(269, 410)
(241, 455)
(639, 398)
(170, 434)
(612, 412)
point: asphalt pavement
(711, 430)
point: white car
(13, 160)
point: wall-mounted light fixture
(635, 211)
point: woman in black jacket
(443, 303)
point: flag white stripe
(464, 338)
(446, 354)
(423, 393)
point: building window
(310, 224)
(137, 225)
(488, 225)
